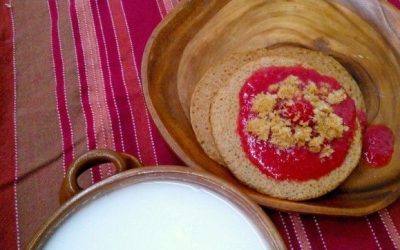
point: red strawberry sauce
(378, 143)
(295, 163)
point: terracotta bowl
(74, 199)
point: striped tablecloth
(70, 82)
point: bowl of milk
(164, 207)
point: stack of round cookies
(284, 121)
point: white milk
(158, 215)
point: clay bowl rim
(162, 173)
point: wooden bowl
(74, 199)
(198, 34)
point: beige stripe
(72, 85)
(286, 230)
(390, 227)
(300, 231)
(168, 5)
(97, 95)
(39, 140)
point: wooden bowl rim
(278, 203)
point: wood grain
(362, 35)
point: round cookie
(215, 78)
(224, 115)
(218, 76)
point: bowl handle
(121, 161)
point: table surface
(70, 82)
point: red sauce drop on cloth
(295, 163)
(378, 142)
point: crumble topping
(326, 151)
(315, 144)
(330, 126)
(276, 122)
(289, 88)
(325, 89)
(336, 97)
(273, 87)
(311, 89)
(263, 104)
(302, 135)
(259, 127)
(282, 136)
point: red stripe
(394, 210)
(395, 3)
(146, 112)
(300, 231)
(8, 233)
(64, 119)
(87, 110)
(289, 230)
(315, 234)
(346, 233)
(161, 8)
(168, 5)
(283, 228)
(373, 233)
(117, 82)
(390, 227)
(165, 155)
(111, 101)
(380, 231)
(141, 22)
(132, 84)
